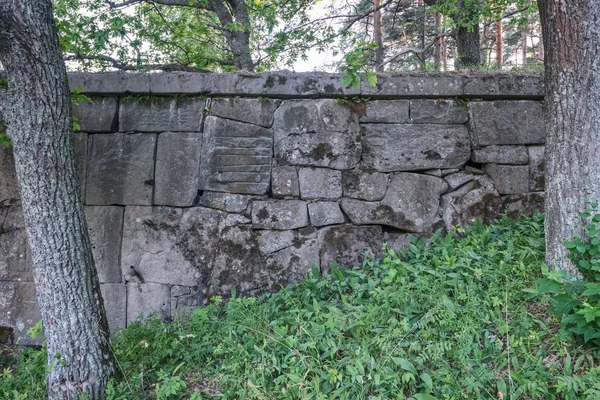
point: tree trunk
(38, 116)
(378, 35)
(499, 45)
(524, 46)
(467, 48)
(236, 28)
(437, 47)
(572, 106)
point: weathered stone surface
(385, 111)
(458, 179)
(291, 264)
(144, 299)
(445, 172)
(320, 183)
(185, 299)
(238, 263)
(284, 182)
(389, 148)
(370, 186)
(279, 214)
(19, 310)
(115, 304)
(478, 199)
(507, 122)
(537, 168)
(120, 169)
(9, 188)
(318, 133)
(105, 229)
(80, 146)
(15, 256)
(347, 245)
(236, 157)
(171, 245)
(433, 172)
(509, 179)
(515, 155)
(438, 111)
(325, 213)
(177, 168)
(235, 219)
(110, 83)
(395, 85)
(158, 115)
(101, 116)
(252, 111)
(236, 203)
(411, 204)
(523, 203)
(273, 241)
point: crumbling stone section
(200, 184)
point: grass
(444, 319)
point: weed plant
(446, 319)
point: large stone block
(236, 157)
(478, 199)
(389, 148)
(185, 299)
(320, 183)
(235, 203)
(513, 155)
(385, 111)
(279, 214)
(9, 188)
(284, 182)
(438, 111)
(272, 241)
(19, 310)
(100, 116)
(170, 245)
(144, 299)
(238, 263)
(324, 213)
(509, 179)
(161, 115)
(411, 204)
(523, 203)
(347, 244)
(115, 304)
(318, 133)
(105, 225)
(507, 122)
(15, 256)
(177, 168)
(458, 179)
(291, 264)
(370, 186)
(120, 169)
(537, 168)
(252, 111)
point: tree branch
(416, 50)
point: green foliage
(443, 319)
(577, 298)
(356, 63)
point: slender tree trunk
(572, 42)
(468, 42)
(524, 46)
(378, 35)
(437, 47)
(499, 45)
(38, 115)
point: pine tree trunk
(572, 42)
(437, 47)
(499, 45)
(38, 115)
(378, 35)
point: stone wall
(196, 184)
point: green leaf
(570, 244)
(546, 285)
(372, 78)
(346, 80)
(591, 289)
(423, 396)
(404, 364)
(427, 380)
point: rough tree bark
(38, 117)
(572, 43)
(499, 45)
(378, 35)
(237, 39)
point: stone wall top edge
(286, 84)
